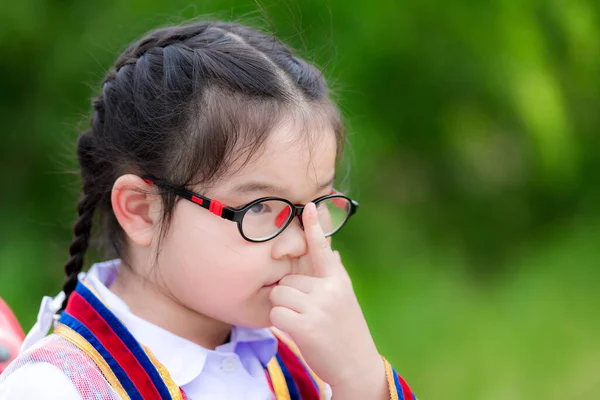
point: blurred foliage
(473, 129)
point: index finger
(323, 258)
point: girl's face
(204, 261)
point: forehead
(297, 160)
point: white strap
(48, 309)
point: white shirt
(232, 371)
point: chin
(257, 322)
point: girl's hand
(323, 317)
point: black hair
(184, 103)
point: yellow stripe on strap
(389, 374)
(289, 343)
(278, 380)
(78, 341)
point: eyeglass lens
(266, 219)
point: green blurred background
(474, 157)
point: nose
(291, 243)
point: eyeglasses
(265, 218)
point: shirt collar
(183, 359)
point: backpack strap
(399, 389)
(291, 377)
(97, 327)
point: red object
(11, 335)
(197, 200)
(406, 392)
(339, 202)
(282, 217)
(216, 207)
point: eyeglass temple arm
(214, 206)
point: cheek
(205, 256)
(196, 234)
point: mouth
(271, 285)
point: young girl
(209, 166)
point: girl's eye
(259, 208)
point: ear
(137, 208)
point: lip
(271, 285)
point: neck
(150, 302)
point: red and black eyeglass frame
(237, 214)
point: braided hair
(185, 103)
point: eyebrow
(259, 186)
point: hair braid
(82, 229)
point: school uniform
(100, 350)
